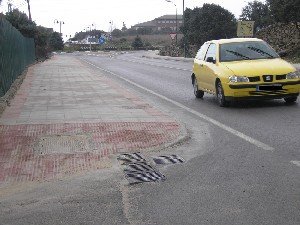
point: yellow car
(243, 68)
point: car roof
(233, 40)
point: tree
(56, 42)
(285, 11)
(137, 43)
(207, 23)
(42, 41)
(124, 28)
(29, 29)
(258, 12)
(83, 34)
(21, 22)
(116, 33)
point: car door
(198, 66)
(209, 68)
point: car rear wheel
(198, 93)
(220, 95)
(290, 99)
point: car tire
(290, 100)
(220, 95)
(198, 93)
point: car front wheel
(198, 93)
(220, 95)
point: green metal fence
(16, 53)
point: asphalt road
(242, 163)
(243, 160)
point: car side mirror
(211, 60)
(282, 54)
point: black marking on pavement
(171, 159)
(138, 170)
(146, 176)
(138, 167)
(128, 158)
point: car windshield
(246, 51)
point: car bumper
(252, 92)
(261, 97)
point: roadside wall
(282, 37)
(16, 53)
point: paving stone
(65, 119)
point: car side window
(211, 52)
(202, 51)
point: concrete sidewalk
(67, 118)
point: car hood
(259, 67)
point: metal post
(90, 42)
(176, 29)
(176, 26)
(184, 38)
(90, 36)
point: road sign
(173, 35)
(102, 39)
(245, 28)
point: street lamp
(176, 18)
(69, 37)
(89, 38)
(60, 23)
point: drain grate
(63, 144)
(171, 159)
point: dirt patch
(6, 99)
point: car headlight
(235, 79)
(293, 75)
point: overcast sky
(78, 15)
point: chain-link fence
(16, 52)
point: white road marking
(152, 64)
(297, 163)
(239, 134)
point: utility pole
(29, 12)
(9, 7)
(184, 38)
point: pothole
(66, 144)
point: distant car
(243, 68)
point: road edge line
(229, 129)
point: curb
(177, 59)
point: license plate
(273, 87)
